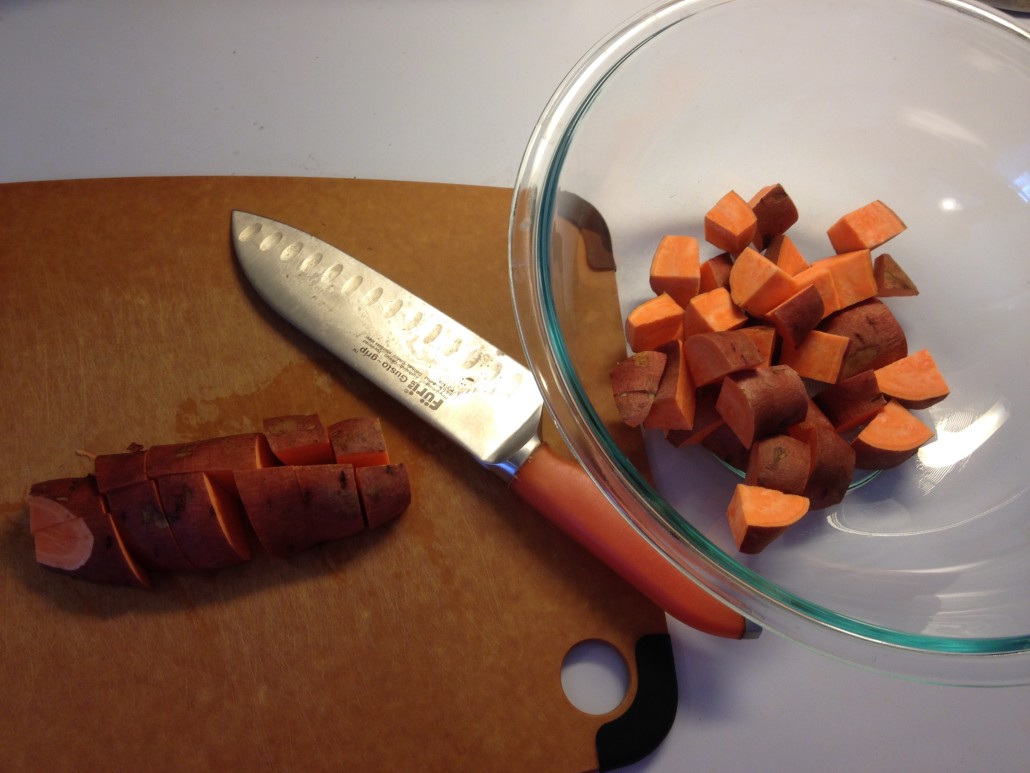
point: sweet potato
(797, 316)
(332, 507)
(893, 436)
(385, 492)
(782, 251)
(759, 515)
(832, 465)
(779, 462)
(635, 382)
(298, 439)
(274, 506)
(730, 225)
(819, 357)
(217, 457)
(137, 510)
(875, 336)
(765, 340)
(123, 469)
(914, 381)
(205, 519)
(851, 402)
(821, 279)
(757, 285)
(359, 441)
(711, 356)
(706, 419)
(761, 402)
(865, 228)
(775, 212)
(852, 274)
(675, 397)
(891, 279)
(80, 538)
(710, 312)
(715, 272)
(676, 268)
(654, 322)
(725, 445)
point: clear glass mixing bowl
(924, 572)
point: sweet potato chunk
(782, 251)
(385, 492)
(832, 465)
(635, 382)
(874, 334)
(205, 519)
(115, 470)
(759, 515)
(761, 402)
(654, 322)
(775, 212)
(914, 381)
(757, 285)
(779, 462)
(332, 507)
(865, 228)
(731, 224)
(715, 272)
(218, 457)
(891, 279)
(892, 437)
(797, 316)
(675, 398)
(298, 439)
(359, 441)
(676, 268)
(851, 402)
(137, 510)
(711, 312)
(711, 356)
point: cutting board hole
(595, 676)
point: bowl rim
(921, 657)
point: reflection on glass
(952, 447)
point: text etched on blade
(416, 383)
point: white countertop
(443, 91)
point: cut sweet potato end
(891, 279)
(359, 441)
(654, 322)
(819, 356)
(635, 382)
(758, 515)
(298, 439)
(715, 272)
(853, 277)
(914, 381)
(675, 398)
(731, 224)
(711, 312)
(675, 268)
(385, 492)
(775, 212)
(782, 251)
(65, 545)
(893, 436)
(757, 285)
(865, 228)
(711, 356)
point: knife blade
(483, 400)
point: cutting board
(434, 643)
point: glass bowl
(924, 571)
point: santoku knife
(480, 398)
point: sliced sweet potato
(676, 268)
(782, 251)
(875, 336)
(711, 356)
(775, 212)
(359, 441)
(635, 382)
(385, 492)
(761, 402)
(893, 436)
(821, 279)
(757, 285)
(83, 541)
(832, 464)
(654, 322)
(710, 312)
(715, 272)
(218, 457)
(779, 462)
(675, 397)
(725, 445)
(706, 419)
(852, 274)
(205, 519)
(759, 515)
(797, 316)
(124, 469)
(332, 507)
(765, 340)
(851, 402)
(891, 279)
(275, 508)
(819, 357)
(914, 380)
(865, 228)
(730, 225)
(137, 510)
(298, 439)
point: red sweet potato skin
(385, 492)
(274, 506)
(332, 507)
(138, 512)
(204, 519)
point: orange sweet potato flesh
(715, 272)
(764, 337)
(385, 491)
(706, 419)
(710, 312)
(865, 228)
(893, 436)
(761, 402)
(675, 397)
(759, 515)
(821, 279)
(819, 356)
(676, 268)
(853, 277)
(875, 336)
(891, 279)
(782, 251)
(757, 285)
(654, 322)
(298, 439)
(85, 541)
(775, 212)
(359, 441)
(205, 519)
(711, 356)
(914, 381)
(852, 402)
(137, 510)
(635, 382)
(731, 224)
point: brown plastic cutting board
(432, 644)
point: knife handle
(562, 491)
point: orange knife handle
(562, 491)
